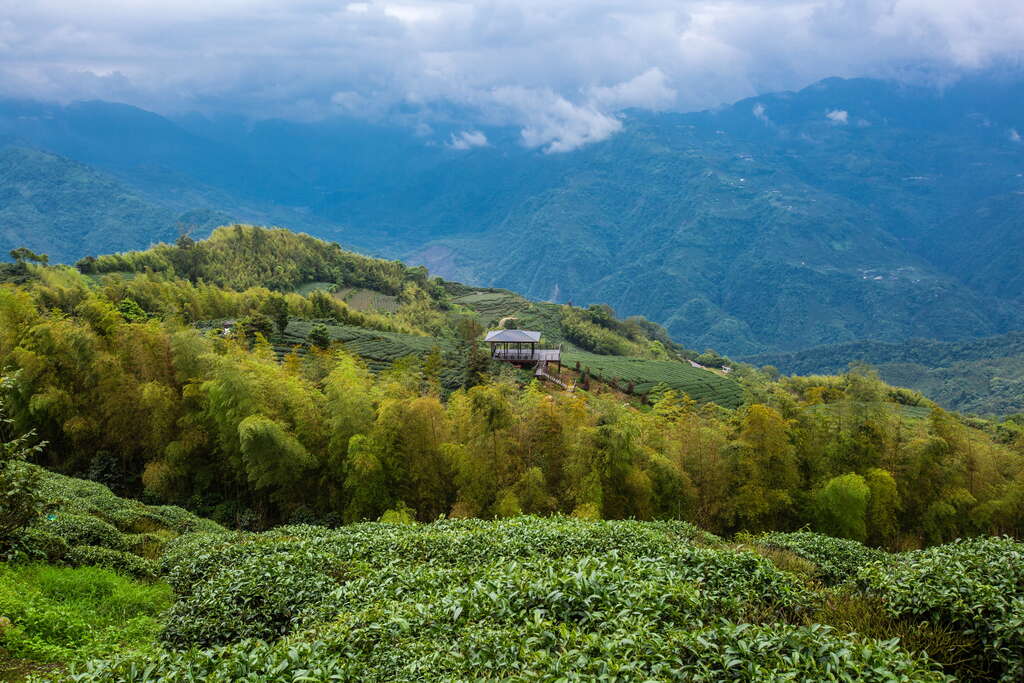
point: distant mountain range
(853, 209)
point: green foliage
(972, 586)
(59, 614)
(835, 560)
(841, 506)
(257, 595)
(20, 499)
(86, 525)
(119, 561)
(521, 599)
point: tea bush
(971, 586)
(835, 559)
(86, 524)
(523, 599)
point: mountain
(55, 205)
(853, 209)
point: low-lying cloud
(468, 139)
(563, 72)
(839, 117)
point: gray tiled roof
(525, 336)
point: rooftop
(513, 336)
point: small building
(520, 346)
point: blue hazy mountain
(852, 209)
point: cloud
(554, 123)
(648, 90)
(468, 139)
(1014, 135)
(562, 71)
(839, 117)
(759, 114)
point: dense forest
(114, 374)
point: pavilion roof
(521, 336)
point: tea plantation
(700, 385)
(523, 598)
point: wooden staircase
(540, 372)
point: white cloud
(554, 123)
(1014, 135)
(468, 139)
(579, 62)
(839, 117)
(758, 112)
(649, 90)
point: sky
(561, 71)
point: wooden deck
(527, 356)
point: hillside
(195, 384)
(983, 376)
(269, 395)
(762, 226)
(66, 209)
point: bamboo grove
(129, 394)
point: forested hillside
(337, 480)
(853, 209)
(55, 205)
(983, 376)
(132, 374)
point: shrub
(258, 594)
(126, 563)
(836, 560)
(973, 587)
(35, 545)
(85, 530)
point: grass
(700, 385)
(68, 615)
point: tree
(86, 265)
(841, 506)
(256, 323)
(883, 505)
(276, 307)
(20, 498)
(319, 336)
(23, 254)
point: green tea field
(700, 385)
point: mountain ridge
(785, 221)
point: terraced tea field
(700, 385)
(358, 298)
(379, 348)
(493, 306)
(368, 300)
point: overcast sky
(559, 69)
